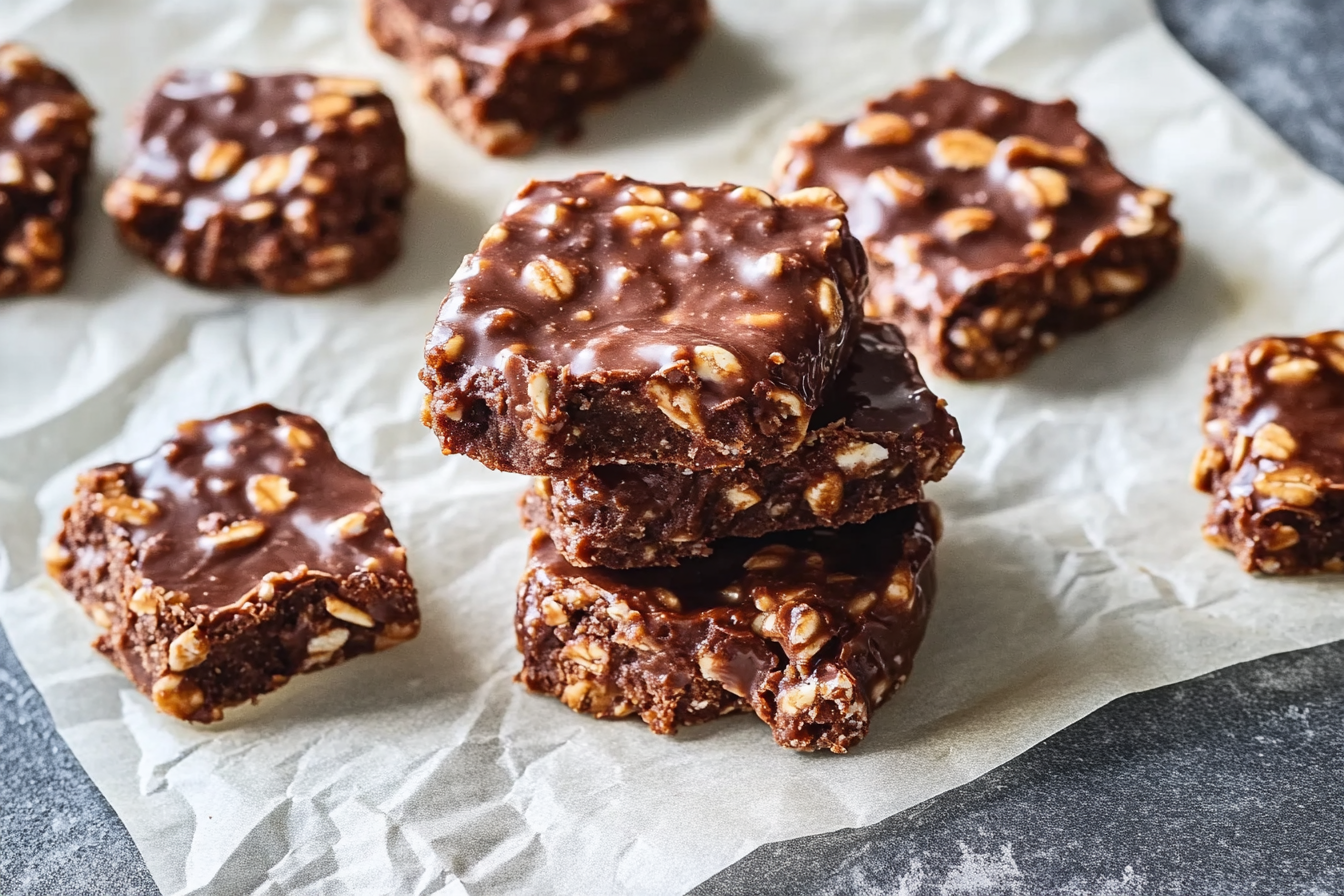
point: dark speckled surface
(1232, 784)
(1228, 785)
(58, 835)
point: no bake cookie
(45, 139)
(240, 553)
(994, 225)
(505, 72)
(1274, 455)
(292, 182)
(812, 631)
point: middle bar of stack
(678, 365)
(880, 435)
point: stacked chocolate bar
(686, 372)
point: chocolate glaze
(608, 320)
(650, 302)
(1274, 461)
(995, 225)
(507, 71)
(46, 144)
(882, 390)
(811, 630)
(198, 481)
(292, 182)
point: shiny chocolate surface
(260, 491)
(971, 176)
(602, 274)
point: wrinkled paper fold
(1072, 570)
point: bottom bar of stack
(811, 630)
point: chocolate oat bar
(1274, 457)
(994, 225)
(45, 137)
(240, 553)
(810, 630)
(507, 71)
(292, 182)
(873, 445)
(607, 320)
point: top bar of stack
(604, 320)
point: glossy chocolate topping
(982, 177)
(233, 499)
(207, 139)
(1286, 410)
(42, 114)
(603, 274)
(1274, 455)
(882, 390)
(504, 22)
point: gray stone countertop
(1229, 784)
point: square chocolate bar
(240, 553)
(1274, 459)
(875, 442)
(994, 225)
(506, 73)
(606, 320)
(45, 138)
(292, 182)
(810, 630)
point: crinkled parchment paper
(1072, 570)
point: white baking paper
(1072, 571)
